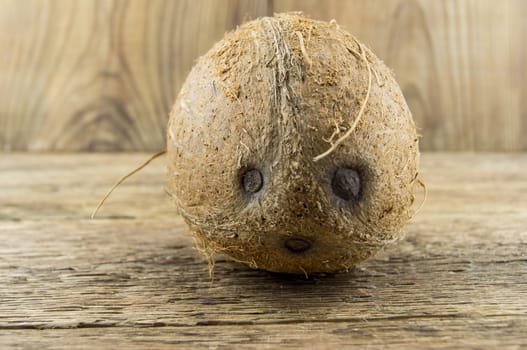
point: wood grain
(100, 75)
(131, 278)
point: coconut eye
(346, 184)
(252, 181)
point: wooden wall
(101, 75)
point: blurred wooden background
(88, 75)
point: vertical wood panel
(102, 74)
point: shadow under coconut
(290, 294)
(177, 281)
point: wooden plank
(132, 277)
(436, 333)
(101, 75)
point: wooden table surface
(131, 277)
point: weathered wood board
(131, 277)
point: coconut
(290, 148)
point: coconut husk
(297, 99)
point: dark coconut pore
(251, 117)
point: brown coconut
(291, 148)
